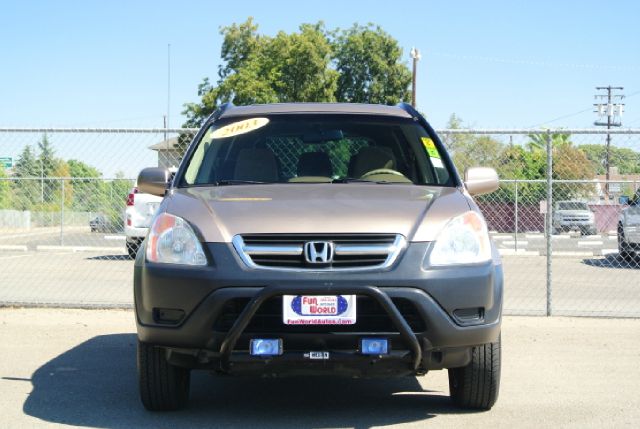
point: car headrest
(371, 158)
(257, 164)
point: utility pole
(168, 85)
(613, 111)
(415, 54)
(164, 124)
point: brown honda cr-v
(315, 239)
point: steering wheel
(381, 171)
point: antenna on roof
(168, 86)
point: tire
(476, 385)
(623, 246)
(163, 387)
(132, 249)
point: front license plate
(319, 309)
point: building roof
(169, 144)
(320, 108)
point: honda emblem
(318, 252)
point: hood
(574, 212)
(220, 213)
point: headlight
(464, 240)
(172, 241)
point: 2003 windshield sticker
(240, 127)
(430, 146)
(432, 151)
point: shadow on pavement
(109, 258)
(613, 261)
(94, 384)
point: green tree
(453, 141)
(370, 65)
(627, 160)
(47, 156)
(469, 150)
(5, 189)
(48, 163)
(479, 151)
(26, 164)
(27, 190)
(88, 188)
(539, 141)
(58, 186)
(116, 192)
(361, 64)
(569, 163)
(240, 43)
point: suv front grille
(351, 251)
(371, 317)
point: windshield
(572, 205)
(316, 149)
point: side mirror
(154, 181)
(623, 199)
(481, 180)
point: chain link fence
(558, 219)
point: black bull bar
(406, 334)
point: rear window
(316, 149)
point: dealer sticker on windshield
(319, 309)
(240, 127)
(430, 147)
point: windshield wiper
(351, 180)
(228, 182)
(354, 180)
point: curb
(15, 247)
(71, 306)
(74, 249)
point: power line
(528, 62)
(561, 117)
(632, 94)
(589, 109)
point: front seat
(314, 164)
(371, 158)
(257, 164)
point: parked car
(100, 223)
(629, 227)
(573, 216)
(318, 239)
(139, 212)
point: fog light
(374, 346)
(266, 347)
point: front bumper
(575, 224)
(135, 234)
(436, 339)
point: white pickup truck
(139, 213)
(629, 227)
(573, 215)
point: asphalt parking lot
(77, 368)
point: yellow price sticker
(430, 146)
(240, 127)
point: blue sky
(494, 63)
